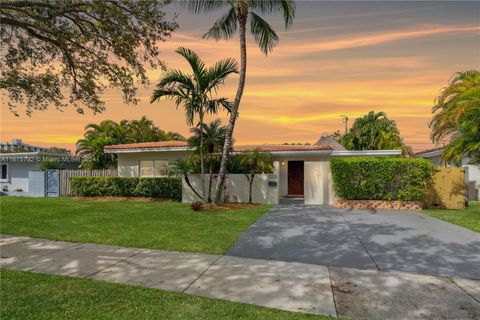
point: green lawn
(26, 295)
(468, 218)
(157, 225)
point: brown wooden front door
(295, 178)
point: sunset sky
(337, 58)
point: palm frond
(263, 33)
(197, 65)
(202, 6)
(217, 73)
(215, 104)
(287, 7)
(223, 28)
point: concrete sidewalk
(291, 286)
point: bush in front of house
(161, 187)
(382, 178)
(103, 186)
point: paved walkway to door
(362, 239)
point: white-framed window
(4, 172)
(153, 168)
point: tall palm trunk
(233, 115)
(252, 175)
(202, 160)
(210, 184)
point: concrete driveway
(362, 239)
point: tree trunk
(210, 184)
(202, 160)
(187, 181)
(233, 115)
(250, 190)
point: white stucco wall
(128, 163)
(473, 172)
(237, 188)
(318, 182)
(18, 175)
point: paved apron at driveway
(362, 239)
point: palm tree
(456, 119)
(256, 162)
(239, 12)
(213, 140)
(194, 91)
(143, 130)
(109, 132)
(96, 137)
(374, 131)
(90, 149)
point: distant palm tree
(456, 119)
(194, 91)
(96, 137)
(213, 140)
(143, 130)
(239, 12)
(109, 132)
(256, 162)
(374, 131)
(90, 149)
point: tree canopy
(456, 119)
(109, 132)
(67, 52)
(374, 131)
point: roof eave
(292, 152)
(428, 154)
(367, 153)
(137, 150)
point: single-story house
(300, 170)
(472, 171)
(18, 168)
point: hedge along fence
(161, 187)
(382, 178)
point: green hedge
(161, 187)
(382, 178)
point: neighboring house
(300, 170)
(17, 169)
(17, 145)
(472, 171)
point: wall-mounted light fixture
(283, 163)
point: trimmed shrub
(103, 186)
(382, 178)
(161, 187)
